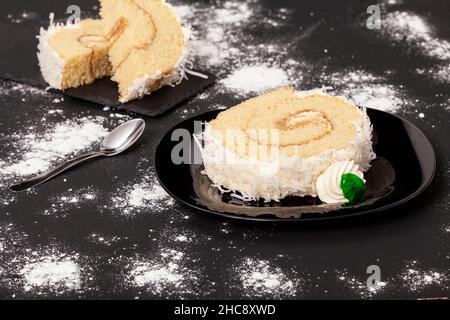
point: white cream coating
(141, 86)
(283, 176)
(328, 184)
(50, 62)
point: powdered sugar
(415, 30)
(376, 96)
(256, 79)
(144, 195)
(166, 267)
(71, 199)
(52, 272)
(22, 17)
(64, 139)
(25, 91)
(359, 286)
(105, 240)
(233, 12)
(367, 90)
(414, 278)
(37, 145)
(260, 278)
(440, 74)
(183, 238)
(39, 271)
(156, 276)
(164, 273)
(221, 39)
(258, 67)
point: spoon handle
(54, 172)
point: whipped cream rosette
(342, 182)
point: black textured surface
(411, 232)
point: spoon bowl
(122, 137)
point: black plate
(404, 167)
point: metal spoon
(117, 141)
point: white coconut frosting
(51, 64)
(279, 177)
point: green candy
(353, 188)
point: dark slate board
(24, 68)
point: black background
(412, 232)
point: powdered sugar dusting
(22, 17)
(39, 144)
(234, 12)
(71, 199)
(415, 30)
(147, 194)
(44, 148)
(24, 90)
(368, 90)
(440, 74)
(183, 238)
(52, 272)
(40, 271)
(165, 273)
(414, 278)
(359, 286)
(102, 239)
(220, 40)
(256, 79)
(241, 58)
(260, 278)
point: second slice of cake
(141, 44)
